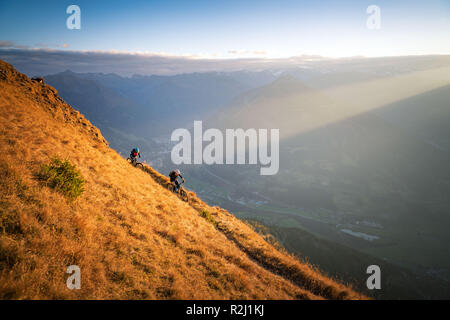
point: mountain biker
(134, 153)
(173, 175)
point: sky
(229, 29)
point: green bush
(62, 176)
(205, 214)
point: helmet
(178, 171)
(137, 149)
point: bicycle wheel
(139, 165)
(183, 195)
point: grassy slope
(131, 237)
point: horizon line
(212, 56)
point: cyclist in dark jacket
(173, 175)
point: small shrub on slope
(62, 176)
(205, 214)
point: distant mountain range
(152, 105)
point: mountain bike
(135, 163)
(181, 191)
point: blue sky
(231, 29)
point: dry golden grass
(131, 237)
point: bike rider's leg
(177, 186)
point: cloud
(48, 61)
(248, 52)
(10, 44)
(259, 52)
(13, 45)
(5, 44)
